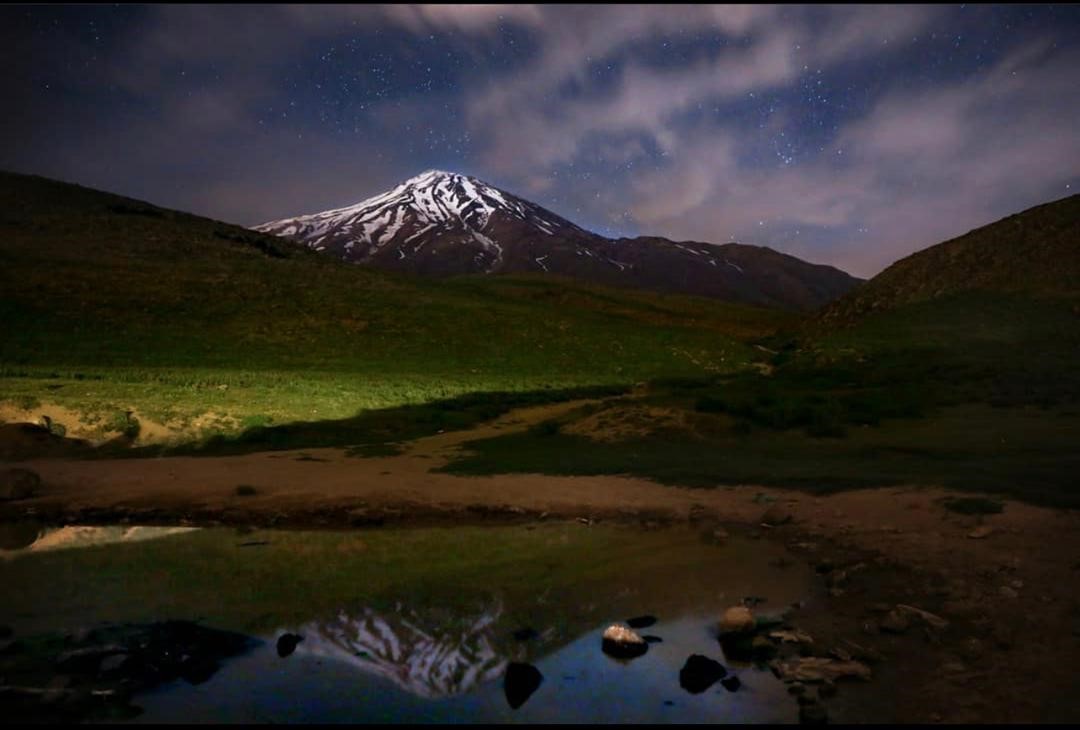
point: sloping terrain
(1035, 253)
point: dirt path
(1011, 598)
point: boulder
(731, 684)
(622, 643)
(813, 714)
(895, 622)
(737, 620)
(776, 515)
(286, 644)
(519, 683)
(526, 634)
(699, 673)
(762, 649)
(18, 484)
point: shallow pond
(420, 625)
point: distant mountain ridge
(443, 224)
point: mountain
(443, 224)
(1036, 252)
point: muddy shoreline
(1007, 585)
(1012, 612)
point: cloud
(922, 166)
(467, 18)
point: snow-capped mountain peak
(435, 203)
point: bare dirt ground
(1011, 596)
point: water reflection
(34, 537)
(420, 625)
(428, 655)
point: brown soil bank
(1009, 590)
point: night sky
(844, 135)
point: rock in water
(641, 622)
(699, 673)
(526, 634)
(18, 484)
(813, 714)
(286, 644)
(731, 684)
(737, 620)
(520, 682)
(622, 643)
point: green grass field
(109, 305)
(976, 392)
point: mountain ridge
(442, 223)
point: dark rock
(813, 715)
(520, 681)
(732, 683)
(776, 515)
(650, 639)
(18, 484)
(895, 622)
(18, 535)
(198, 669)
(738, 647)
(88, 659)
(526, 634)
(699, 673)
(761, 649)
(668, 703)
(286, 644)
(641, 622)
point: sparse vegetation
(124, 423)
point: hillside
(1035, 253)
(444, 224)
(109, 304)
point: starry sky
(847, 135)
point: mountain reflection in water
(428, 655)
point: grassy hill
(109, 305)
(1035, 253)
